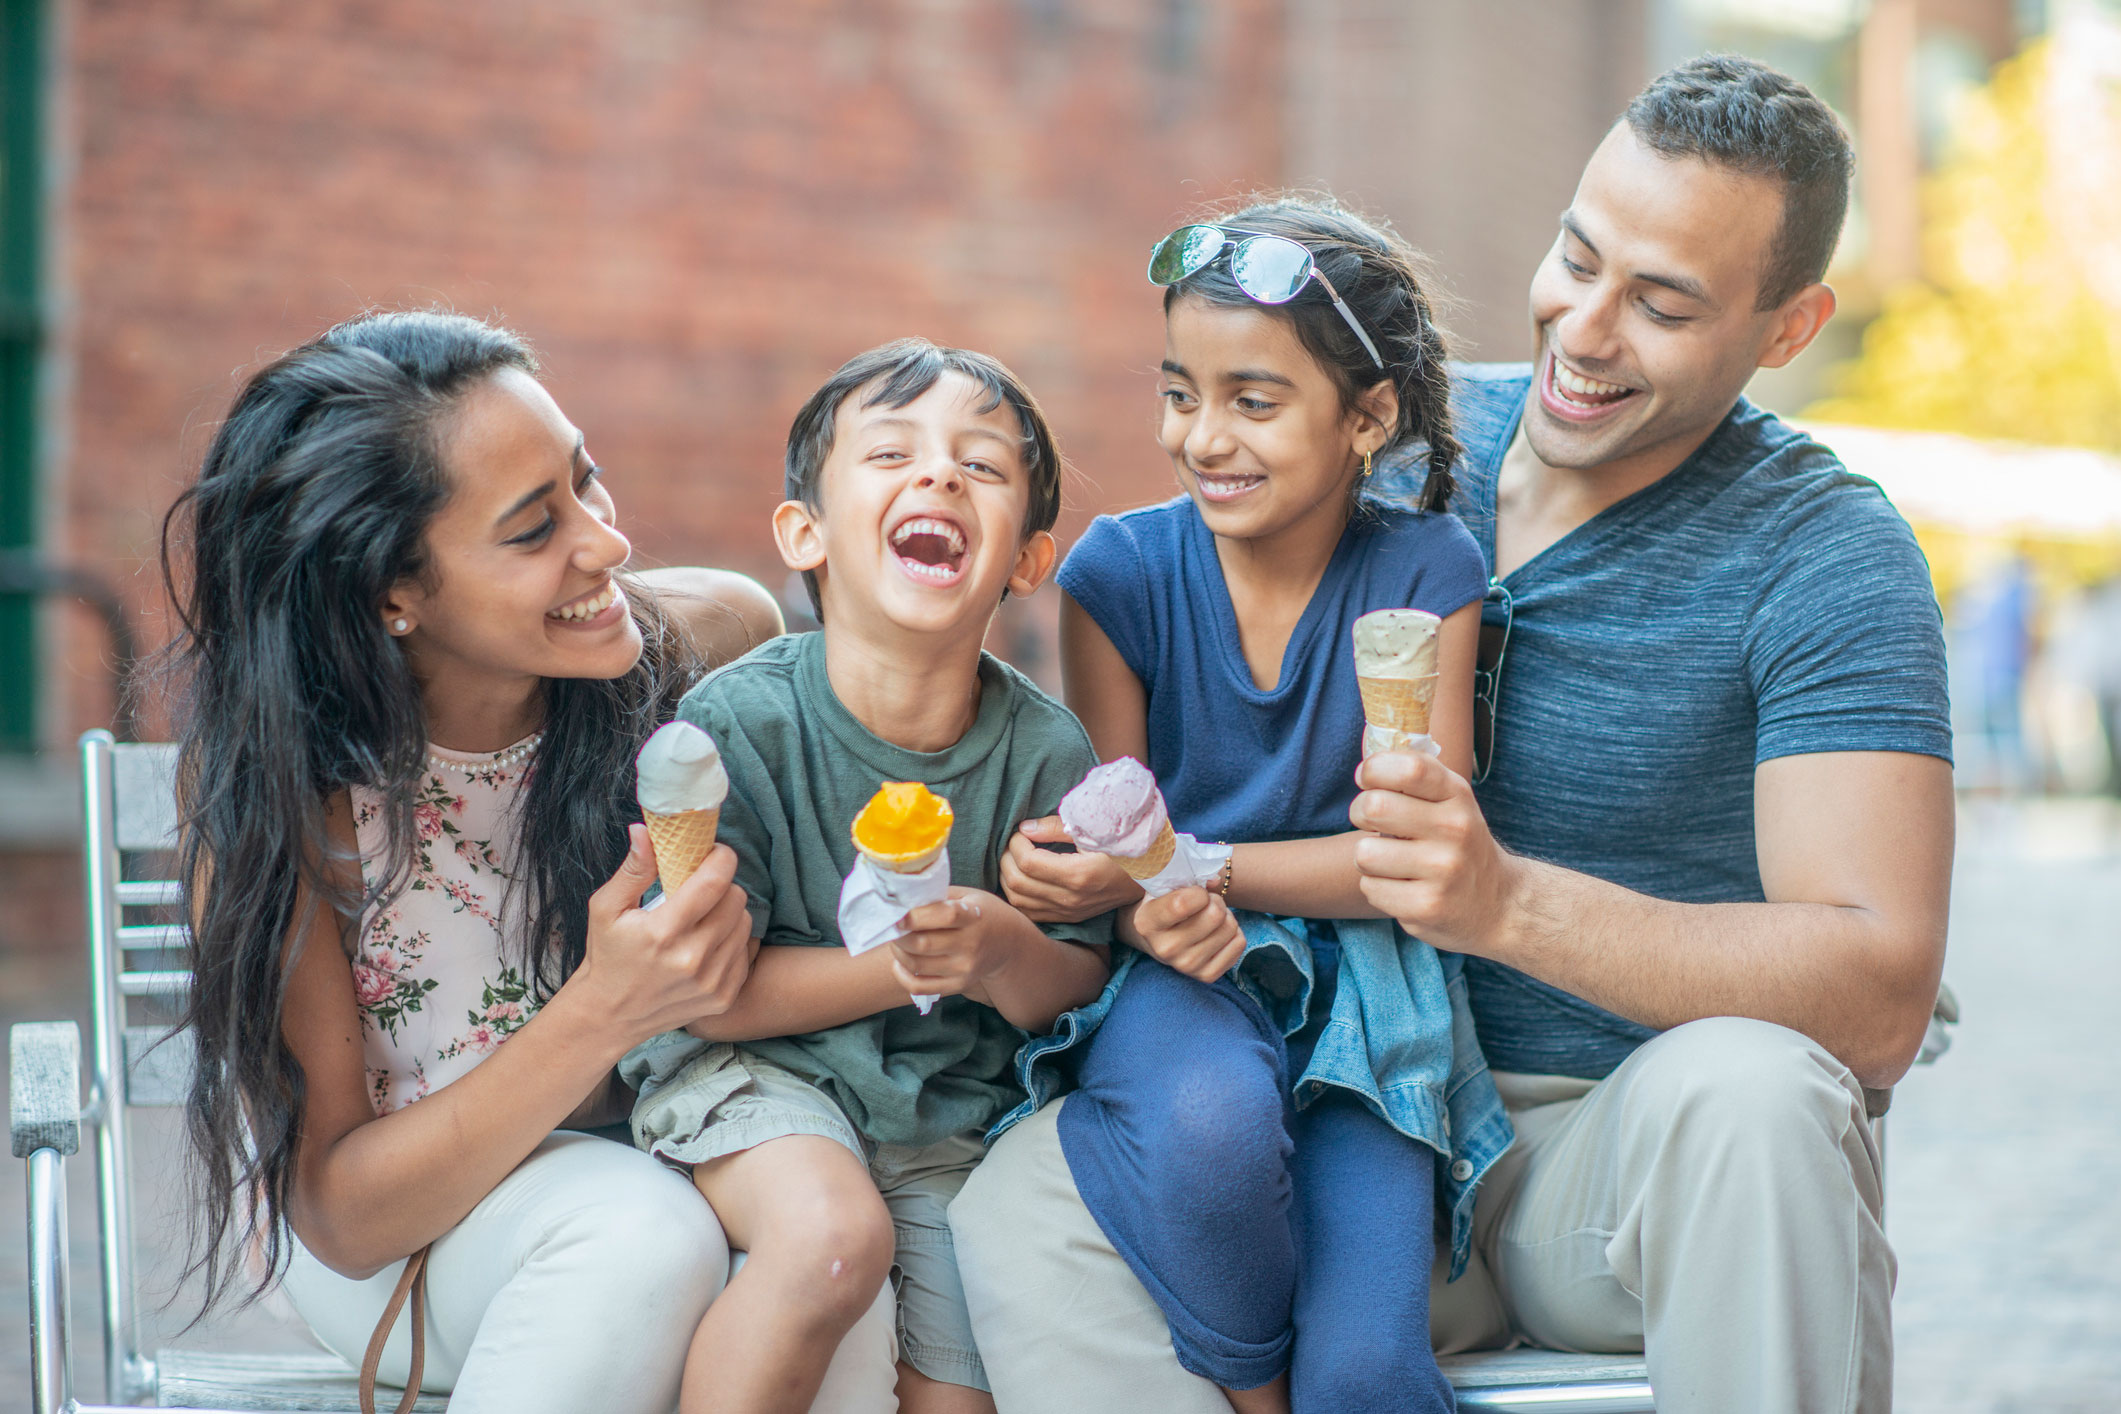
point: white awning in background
(1985, 488)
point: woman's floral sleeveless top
(437, 971)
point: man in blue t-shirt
(1702, 881)
(1702, 869)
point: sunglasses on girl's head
(1270, 269)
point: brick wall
(695, 210)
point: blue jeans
(1270, 1239)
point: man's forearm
(1855, 859)
(1844, 976)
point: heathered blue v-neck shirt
(1760, 601)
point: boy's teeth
(922, 525)
(1586, 387)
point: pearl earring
(399, 626)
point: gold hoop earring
(1365, 466)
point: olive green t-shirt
(800, 768)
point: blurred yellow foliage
(2016, 333)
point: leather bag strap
(412, 1282)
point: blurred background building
(696, 209)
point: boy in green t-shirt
(827, 1120)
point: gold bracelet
(1229, 868)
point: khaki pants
(1716, 1198)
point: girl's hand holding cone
(1053, 887)
(1187, 930)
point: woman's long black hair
(1386, 282)
(313, 502)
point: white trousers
(1716, 1200)
(576, 1284)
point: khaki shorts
(724, 1100)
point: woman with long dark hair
(414, 677)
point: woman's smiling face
(521, 556)
(1255, 426)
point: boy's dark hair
(1741, 114)
(895, 374)
(1386, 283)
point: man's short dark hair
(895, 374)
(1741, 114)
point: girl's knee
(1202, 1115)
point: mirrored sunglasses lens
(1182, 252)
(1270, 269)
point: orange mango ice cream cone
(903, 828)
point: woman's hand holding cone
(654, 970)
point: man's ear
(1376, 413)
(1797, 323)
(1033, 563)
(798, 535)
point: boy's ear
(798, 536)
(1034, 561)
(1376, 413)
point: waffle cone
(1151, 862)
(1398, 704)
(903, 863)
(681, 840)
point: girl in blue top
(1289, 1248)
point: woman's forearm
(1303, 878)
(391, 1185)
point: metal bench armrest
(44, 1125)
(44, 1087)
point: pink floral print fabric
(437, 970)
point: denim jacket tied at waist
(1400, 1035)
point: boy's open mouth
(929, 549)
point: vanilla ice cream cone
(1395, 667)
(1150, 862)
(681, 841)
(1398, 704)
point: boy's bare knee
(831, 1251)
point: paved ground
(2004, 1178)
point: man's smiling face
(1642, 314)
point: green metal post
(21, 221)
